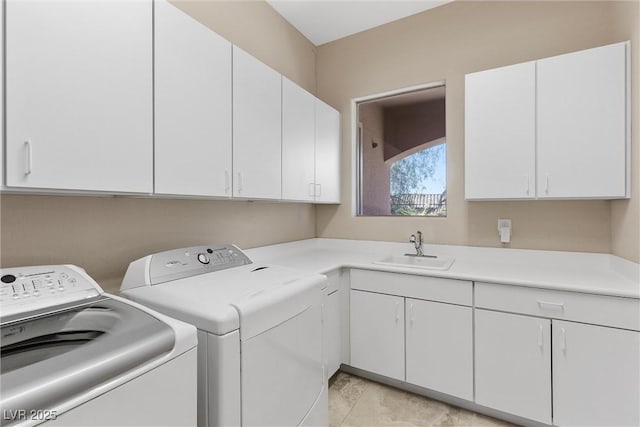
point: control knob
(8, 278)
(203, 258)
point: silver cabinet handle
(397, 311)
(318, 190)
(528, 185)
(239, 183)
(411, 314)
(546, 184)
(227, 182)
(28, 157)
(548, 304)
(540, 337)
(311, 190)
(563, 340)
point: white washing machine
(75, 356)
(260, 352)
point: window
(402, 155)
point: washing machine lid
(50, 357)
(256, 295)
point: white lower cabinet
(596, 373)
(333, 330)
(334, 321)
(569, 359)
(554, 357)
(513, 364)
(439, 349)
(422, 335)
(377, 333)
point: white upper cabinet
(1, 98)
(500, 133)
(298, 142)
(257, 128)
(553, 128)
(582, 124)
(310, 147)
(327, 154)
(79, 95)
(192, 106)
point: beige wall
(444, 44)
(104, 234)
(625, 214)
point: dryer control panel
(25, 289)
(182, 263)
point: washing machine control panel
(24, 289)
(187, 262)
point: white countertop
(593, 273)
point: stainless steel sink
(428, 262)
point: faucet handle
(412, 239)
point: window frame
(355, 142)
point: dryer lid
(215, 302)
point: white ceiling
(322, 21)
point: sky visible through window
(438, 182)
(425, 172)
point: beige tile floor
(354, 401)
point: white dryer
(260, 351)
(75, 356)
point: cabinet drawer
(413, 286)
(588, 308)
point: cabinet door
(2, 180)
(79, 95)
(513, 364)
(596, 375)
(582, 128)
(377, 333)
(298, 142)
(257, 131)
(327, 153)
(192, 106)
(333, 331)
(439, 351)
(500, 133)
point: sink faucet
(417, 242)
